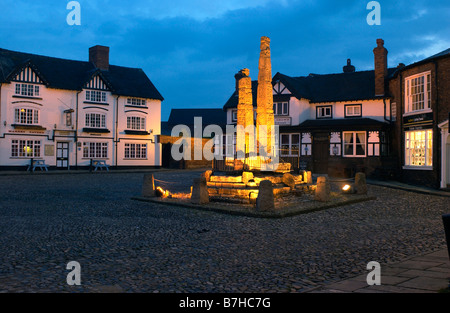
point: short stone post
(360, 183)
(265, 201)
(148, 187)
(323, 189)
(200, 193)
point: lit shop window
(419, 148)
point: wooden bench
(99, 164)
(37, 163)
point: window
(290, 144)
(95, 150)
(418, 93)
(95, 120)
(136, 123)
(354, 144)
(324, 112)
(419, 148)
(234, 115)
(26, 116)
(95, 96)
(353, 110)
(25, 148)
(135, 151)
(281, 108)
(136, 101)
(27, 90)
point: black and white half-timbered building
(67, 113)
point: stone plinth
(265, 201)
(360, 183)
(148, 187)
(307, 178)
(289, 180)
(200, 193)
(323, 189)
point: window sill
(99, 103)
(136, 106)
(354, 156)
(353, 116)
(27, 97)
(28, 127)
(137, 132)
(418, 168)
(130, 159)
(26, 158)
(418, 112)
(95, 130)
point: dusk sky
(192, 49)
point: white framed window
(95, 96)
(324, 111)
(136, 101)
(419, 148)
(95, 120)
(27, 90)
(95, 150)
(290, 144)
(135, 151)
(354, 144)
(281, 108)
(136, 123)
(26, 116)
(353, 110)
(418, 93)
(234, 115)
(25, 148)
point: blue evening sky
(192, 49)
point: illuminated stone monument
(244, 140)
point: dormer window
(281, 108)
(95, 96)
(27, 90)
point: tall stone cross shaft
(244, 141)
(264, 109)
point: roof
(343, 123)
(318, 88)
(442, 54)
(186, 117)
(73, 75)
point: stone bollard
(200, 193)
(360, 183)
(307, 178)
(289, 180)
(265, 201)
(246, 177)
(148, 187)
(323, 189)
(207, 175)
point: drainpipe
(436, 118)
(76, 131)
(116, 141)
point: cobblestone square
(122, 245)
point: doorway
(62, 155)
(320, 153)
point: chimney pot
(99, 56)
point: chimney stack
(381, 71)
(349, 68)
(99, 56)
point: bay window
(26, 116)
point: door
(320, 153)
(62, 155)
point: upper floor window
(418, 92)
(281, 108)
(26, 116)
(95, 120)
(234, 115)
(136, 101)
(136, 123)
(353, 110)
(324, 111)
(27, 90)
(95, 96)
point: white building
(68, 113)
